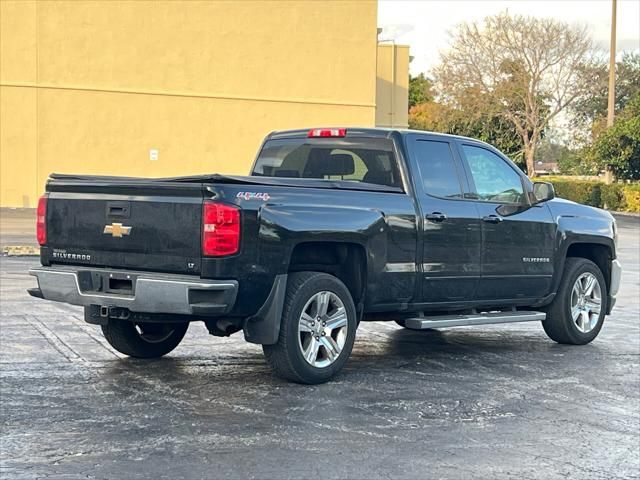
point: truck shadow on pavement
(430, 352)
(470, 346)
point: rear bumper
(149, 293)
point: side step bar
(420, 323)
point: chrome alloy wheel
(586, 302)
(322, 329)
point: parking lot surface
(483, 402)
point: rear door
(518, 238)
(144, 226)
(451, 231)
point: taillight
(327, 132)
(41, 220)
(220, 229)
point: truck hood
(561, 207)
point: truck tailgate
(146, 226)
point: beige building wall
(94, 86)
(392, 89)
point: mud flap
(264, 326)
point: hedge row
(618, 196)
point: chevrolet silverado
(333, 226)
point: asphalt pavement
(498, 401)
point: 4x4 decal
(254, 196)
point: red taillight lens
(41, 220)
(220, 229)
(327, 132)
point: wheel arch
(345, 260)
(600, 253)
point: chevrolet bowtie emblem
(117, 230)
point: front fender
(592, 226)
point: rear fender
(282, 227)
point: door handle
(492, 219)
(436, 217)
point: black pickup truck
(333, 226)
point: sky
(424, 24)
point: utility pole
(612, 81)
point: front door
(451, 230)
(518, 238)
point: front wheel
(317, 330)
(577, 312)
(144, 340)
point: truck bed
(72, 182)
(161, 218)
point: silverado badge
(117, 230)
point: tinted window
(494, 178)
(437, 168)
(358, 160)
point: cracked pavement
(498, 401)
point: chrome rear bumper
(148, 292)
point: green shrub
(613, 196)
(617, 197)
(581, 191)
(631, 194)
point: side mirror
(543, 191)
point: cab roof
(374, 132)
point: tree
(524, 70)
(420, 90)
(430, 116)
(551, 151)
(593, 103)
(437, 117)
(589, 111)
(572, 162)
(619, 145)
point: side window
(437, 169)
(494, 178)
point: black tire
(286, 356)
(144, 340)
(559, 324)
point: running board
(420, 323)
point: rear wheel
(576, 315)
(144, 340)
(317, 330)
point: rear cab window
(367, 160)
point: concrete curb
(625, 214)
(21, 251)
